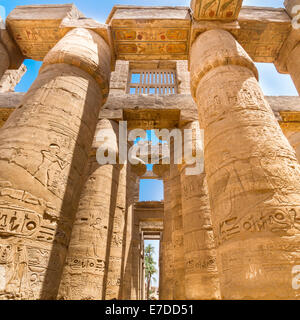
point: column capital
(221, 49)
(86, 50)
(293, 40)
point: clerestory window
(152, 82)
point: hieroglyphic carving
(201, 272)
(177, 232)
(43, 151)
(252, 173)
(50, 171)
(117, 241)
(160, 38)
(36, 31)
(216, 9)
(23, 267)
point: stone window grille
(152, 82)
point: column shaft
(177, 234)
(44, 148)
(252, 173)
(200, 257)
(132, 190)
(86, 266)
(166, 281)
(116, 248)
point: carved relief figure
(49, 172)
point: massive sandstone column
(177, 233)
(44, 148)
(137, 244)
(166, 271)
(200, 257)
(252, 172)
(87, 260)
(116, 254)
(129, 290)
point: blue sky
(272, 83)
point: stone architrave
(252, 173)
(44, 148)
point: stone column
(177, 233)
(44, 148)
(4, 60)
(200, 257)
(86, 265)
(252, 173)
(166, 277)
(115, 252)
(136, 242)
(129, 274)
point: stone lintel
(164, 111)
(37, 28)
(121, 12)
(290, 121)
(150, 33)
(283, 104)
(149, 118)
(150, 211)
(155, 112)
